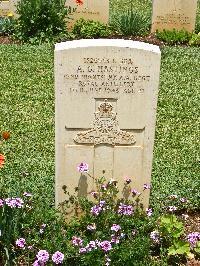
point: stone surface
(106, 98)
(8, 8)
(174, 14)
(97, 10)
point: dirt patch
(7, 40)
(192, 222)
(147, 39)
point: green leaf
(179, 247)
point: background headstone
(7, 7)
(106, 98)
(97, 10)
(174, 14)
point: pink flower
(125, 209)
(149, 212)
(42, 256)
(82, 250)
(95, 210)
(21, 242)
(1, 203)
(83, 167)
(172, 208)
(147, 186)
(127, 179)
(135, 192)
(77, 241)
(115, 239)
(105, 245)
(58, 257)
(115, 227)
(91, 246)
(183, 200)
(155, 237)
(104, 187)
(36, 263)
(94, 194)
(14, 202)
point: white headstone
(8, 8)
(97, 10)
(106, 98)
(174, 14)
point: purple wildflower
(30, 247)
(102, 203)
(146, 186)
(125, 209)
(19, 202)
(95, 210)
(155, 237)
(91, 245)
(115, 239)
(36, 263)
(129, 210)
(21, 242)
(77, 241)
(193, 238)
(43, 226)
(149, 212)
(58, 257)
(82, 250)
(14, 202)
(91, 227)
(183, 200)
(115, 227)
(42, 256)
(135, 192)
(94, 194)
(104, 187)
(83, 167)
(127, 180)
(105, 245)
(1, 203)
(172, 208)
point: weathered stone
(97, 10)
(106, 98)
(174, 14)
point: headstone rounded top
(83, 43)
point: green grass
(27, 104)
(27, 110)
(176, 157)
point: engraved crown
(105, 109)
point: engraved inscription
(107, 75)
(105, 129)
(173, 19)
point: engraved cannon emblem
(105, 129)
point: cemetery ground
(153, 237)
(27, 104)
